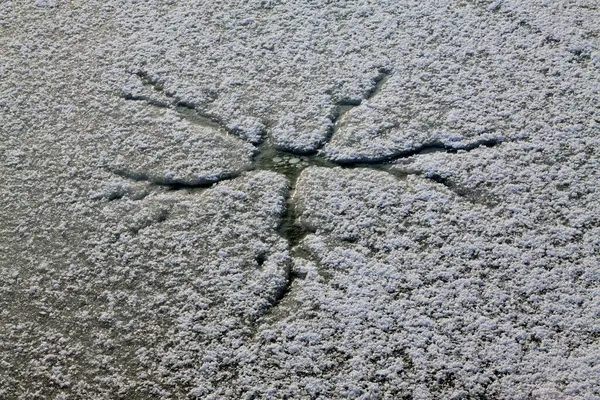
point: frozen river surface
(272, 199)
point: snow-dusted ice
(299, 199)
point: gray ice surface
(303, 199)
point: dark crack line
(435, 147)
(175, 184)
(473, 196)
(379, 82)
(148, 100)
(289, 229)
(281, 294)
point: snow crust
(145, 248)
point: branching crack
(186, 109)
(271, 158)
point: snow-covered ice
(299, 199)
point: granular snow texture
(299, 199)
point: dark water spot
(260, 259)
